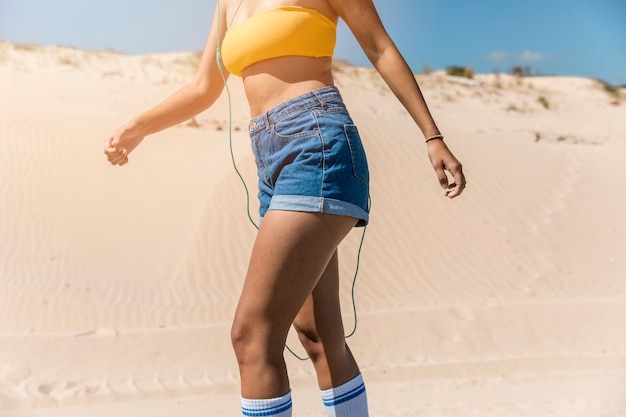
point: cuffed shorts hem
(319, 205)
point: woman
(313, 180)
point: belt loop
(319, 98)
(267, 120)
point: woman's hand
(120, 144)
(442, 160)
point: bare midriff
(273, 81)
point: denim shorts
(310, 158)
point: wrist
(435, 137)
(138, 126)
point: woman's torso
(270, 82)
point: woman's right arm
(185, 103)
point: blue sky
(562, 37)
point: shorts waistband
(318, 97)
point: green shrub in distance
(459, 71)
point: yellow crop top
(273, 33)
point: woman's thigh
(290, 254)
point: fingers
(442, 177)
(456, 188)
(122, 142)
(444, 162)
(110, 145)
(116, 156)
(118, 159)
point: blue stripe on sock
(345, 397)
(271, 411)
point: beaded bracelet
(434, 137)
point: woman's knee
(315, 345)
(319, 346)
(253, 339)
(239, 335)
(244, 337)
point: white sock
(274, 407)
(347, 400)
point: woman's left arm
(363, 20)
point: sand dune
(117, 285)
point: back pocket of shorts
(357, 154)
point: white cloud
(526, 56)
(497, 56)
(531, 56)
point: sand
(118, 284)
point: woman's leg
(290, 254)
(320, 329)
